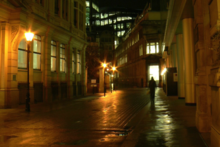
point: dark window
(56, 7)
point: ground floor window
(22, 54)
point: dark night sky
(139, 4)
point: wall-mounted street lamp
(104, 66)
(29, 36)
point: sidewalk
(167, 123)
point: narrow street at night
(123, 118)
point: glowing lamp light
(29, 36)
(164, 71)
(113, 68)
(107, 69)
(104, 65)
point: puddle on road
(77, 142)
(4, 139)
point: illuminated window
(122, 32)
(62, 58)
(22, 54)
(114, 21)
(36, 52)
(105, 15)
(119, 26)
(98, 22)
(106, 22)
(118, 33)
(115, 27)
(87, 4)
(110, 21)
(152, 48)
(157, 47)
(78, 62)
(128, 25)
(102, 23)
(97, 15)
(110, 14)
(53, 55)
(73, 61)
(102, 16)
(95, 7)
(140, 50)
(122, 26)
(118, 18)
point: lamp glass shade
(104, 65)
(29, 36)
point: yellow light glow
(113, 68)
(164, 71)
(29, 36)
(107, 69)
(104, 65)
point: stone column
(46, 71)
(101, 80)
(83, 77)
(69, 70)
(4, 37)
(188, 41)
(174, 55)
(181, 66)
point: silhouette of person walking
(152, 85)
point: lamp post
(29, 36)
(113, 68)
(104, 65)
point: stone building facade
(192, 38)
(57, 52)
(141, 50)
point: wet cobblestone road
(92, 121)
(123, 118)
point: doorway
(154, 72)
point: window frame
(156, 47)
(79, 70)
(63, 48)
(73, 61)
(55, 44)
(38, 53)
(25, 51)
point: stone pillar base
(203, 122)
(215, 137)
(9, 98)
(47, 94)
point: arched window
(22, 54)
